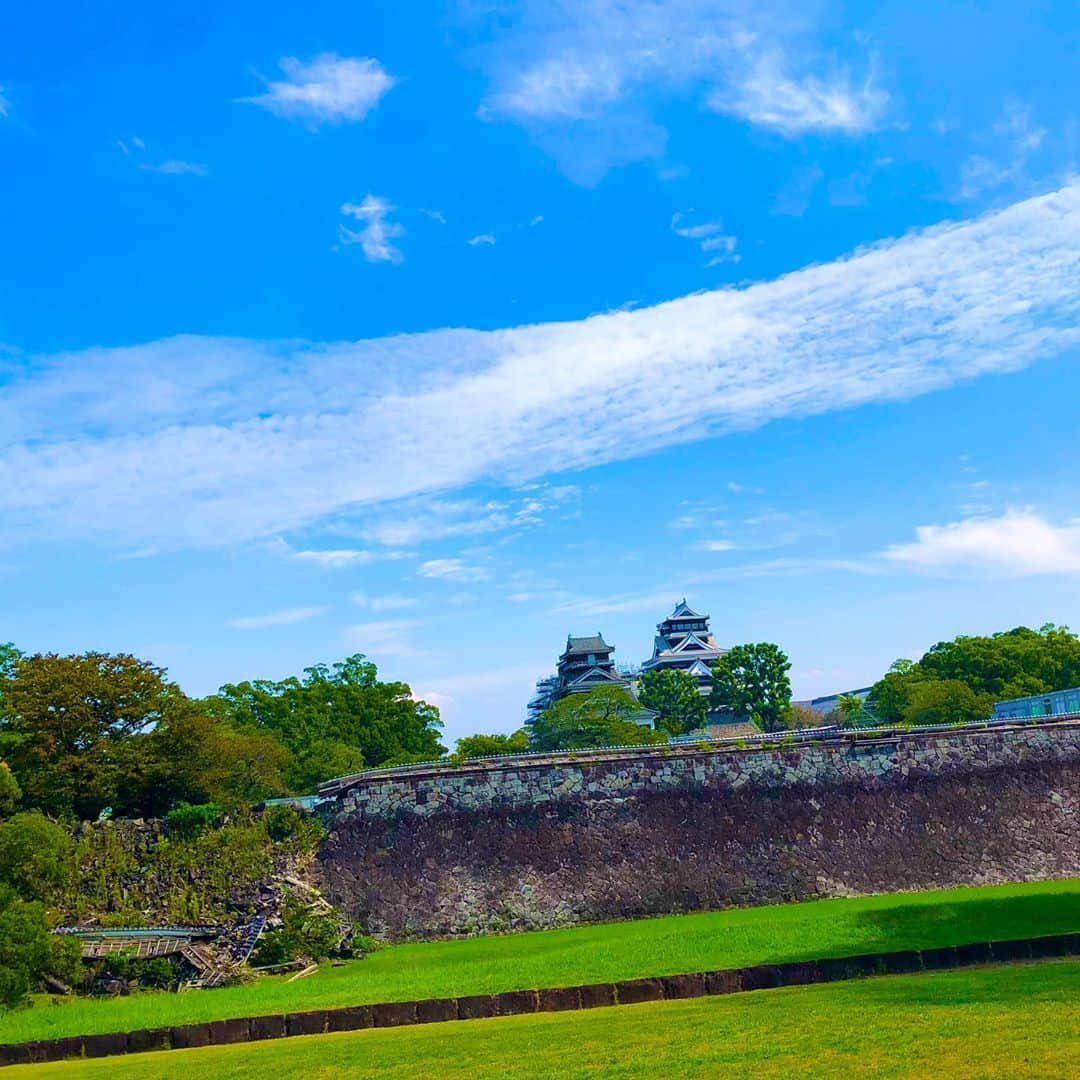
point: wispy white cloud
(584, 77)
(174, 167)
(277, 618)
(481, 238)
(717, 545)
(335, 558)
(709, 236)
(377, 232)
(451, 570)
(1018, 543)
(390, 637)
(5, 103)
(1015, 140)
(326, 89)
(770, 96)
(414, 522)
(387, 602)
(202, 442)
(435, 215)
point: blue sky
(437, 331)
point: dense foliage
(92, 733)
(752, 681)
(674, 694)
(477, 746)
(958, 681)
(28, 952)
(603, 717)
(334, 720)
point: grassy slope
(986, 1022)
(599, 953)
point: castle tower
(684, 641)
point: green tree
(603, 717)
(946, 701)
(74, 729)
(10, 792)
(335, 719)
(674, 694)
(476, 746)
(1013, 663)
(853, 712)
(35, 856)
(799, 716)
(198, 759)
(28, 952)
(752, 681)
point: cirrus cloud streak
(196, 442)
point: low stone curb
(516, 1002)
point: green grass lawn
(1007, 1021)
(601, 953)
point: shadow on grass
(959, 922)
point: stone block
(683, 986)
(187, 1036)
(306, 1023)
(597, 995)
(1071, 943)
(12, 1054)
(935, 959)
(436, 1010)
(801, 973)
(30, 1053)
(835, 969)
(1011, 950)
(352, 1018)
(229, 1031)
(393, 1013)
(68, 1047)
(761, 977)
(516, 1002)
(723, 982)
(267, 1027)
(113, 1042)
(977, 952)
(902, 963)
(476, 1006)
(146, 1039)
(631, 991)
(1054, 945)
(560, 999)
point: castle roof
(684, 611)
(580, 646)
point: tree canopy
(959, 680)
(602, 717)
(752, 680)
(334, 720)
(674, 694)
(476, 746)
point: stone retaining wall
(517, 1002)
(838, 761)
(515, 847)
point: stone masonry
(484, 847)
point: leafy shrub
(303, 932)
(35, 856)
(189, 821)
(28, 952)
(10, 792)
(284, 822)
